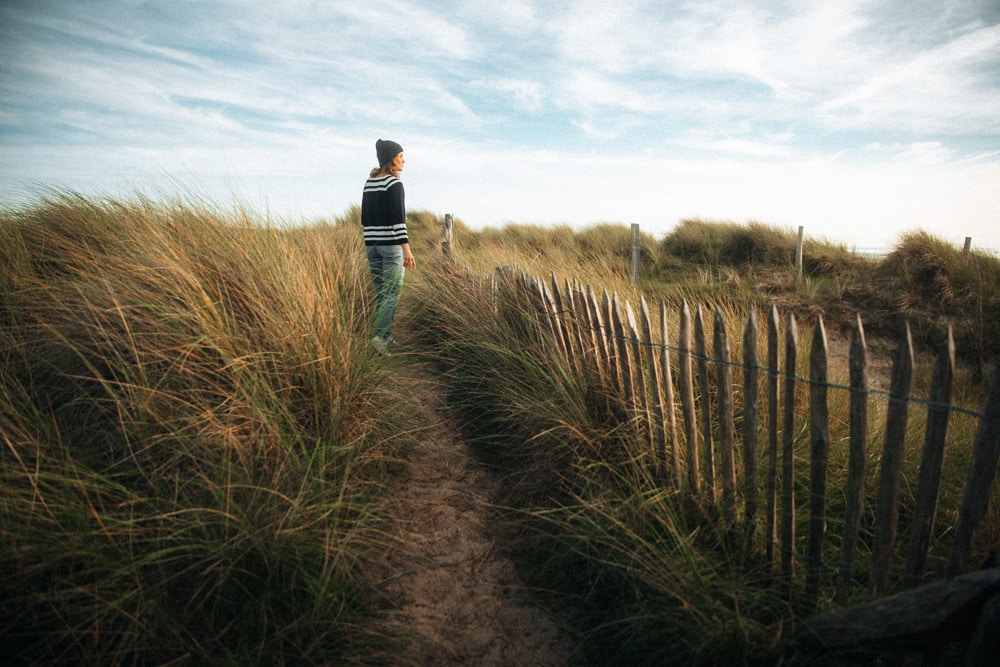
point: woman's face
(397, 163)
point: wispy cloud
(517, 110)
(931, 89)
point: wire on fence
(869, 391)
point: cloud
(930, 89)
(730, 107)
(528, 95)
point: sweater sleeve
(397, 211)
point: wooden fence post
(574, 324)
(614, 362)
(982, 472)
(636, 251)
(857, 461)
(624, 354)
(887, 506)
(561, 318)
(705, 403)
(655, 391)
(687, 401)
(600, 342)
(637, 381)
(727, 427)
(788, 454)
(771, 521)
(798, 256)
(819, 437)
(668, 384)
(931, 463)
(751, 423)
(552, 314)
(447, 235)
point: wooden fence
(695, 443)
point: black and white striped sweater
(383, 211)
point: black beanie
(386, 150)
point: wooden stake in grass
(982, 472)
(727, 427)
(687, 401)
(788, 454)
(771, 523)
(819, 437)
(668, 395)
(887, 507)
(938, 411)
(701, 352)
(858, 460)
(751, 422)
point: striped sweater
(383, 212)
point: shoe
(382, 346)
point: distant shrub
(732, 244)
(756, 244)
(930, 270)
(937, 284)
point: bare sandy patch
(461, 602)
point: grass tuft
(194, 437)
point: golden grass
(195, 431)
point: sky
(858, 120)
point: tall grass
(595, 522)
(195, 437)
(937, 284)
(653, 577)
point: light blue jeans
(386, 264)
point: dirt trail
(461, 601)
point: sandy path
(459, 594)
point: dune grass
(195, 437)
(596, 526)
(652, 577)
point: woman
(383, 217)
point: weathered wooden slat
(552, 317)
(788, 452)
(639, 373)
(751, 422)
(819, 452)
(668, 396)
(597, 331)
(577, 320)
(771, 520)
(979, 482)
(931, 463)
(857, 464)
(887, 504)
(610, 346)
(727, 427)
(705, 402)
(571, 324)
(561, 316)
(625, 366)
(684, 368)
(655, 390)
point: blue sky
(856, 119)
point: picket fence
(696, 443)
